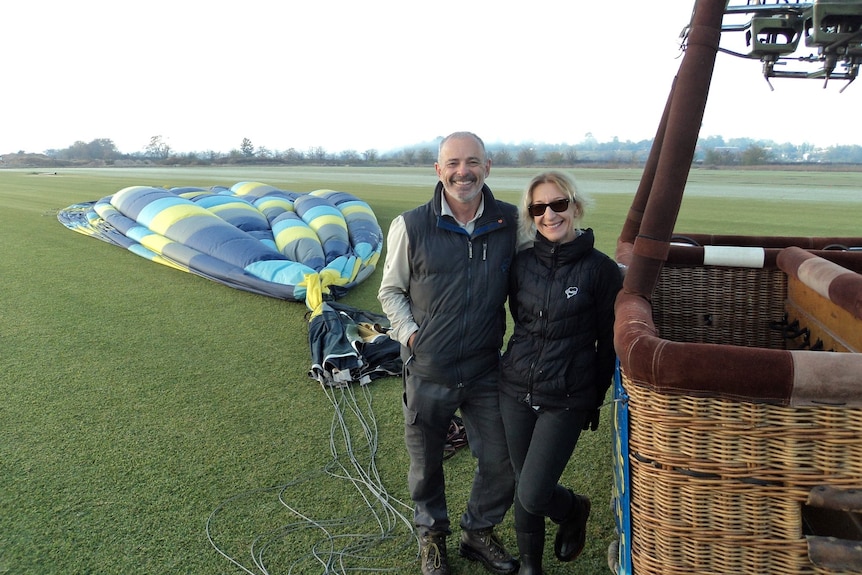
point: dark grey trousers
(428, 408)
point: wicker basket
(737, 443)
(715, 483)
(719, 486)
(722, 305)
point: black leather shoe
(572, 533)
(432, 553)
(483, 546)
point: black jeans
(540, 445)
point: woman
(558, 364)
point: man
(444, 287)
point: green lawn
(145, 408)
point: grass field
(138, 400)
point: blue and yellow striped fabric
(250, 236)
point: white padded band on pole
(735, 256)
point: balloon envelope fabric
(251, 236)
(311, 247)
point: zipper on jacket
(468, 303)
(543, 316)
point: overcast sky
(375, 74)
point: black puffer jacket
(561, 296)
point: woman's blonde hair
(526, 224)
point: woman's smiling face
(557, 227)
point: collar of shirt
(468, 226)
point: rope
(380, 530)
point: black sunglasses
(558, 206)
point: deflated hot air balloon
(311, 247)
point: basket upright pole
(677, 139)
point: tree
(157, 148)
(102, 149)
(843, 154)
(77, 151)
(554, 158)
(293, 156)
(247, 148)
(712, 142)
(426, 156)
(721, 157)
(349, 156)
(526, 156)
(502, 157)
(754, 156)
(264, 152)
(317, 153)
(98, 149)
(589, 142)
(370, 156)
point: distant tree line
(711, 151)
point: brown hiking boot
(484, 546)
(432, 553)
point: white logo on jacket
(571, 292)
